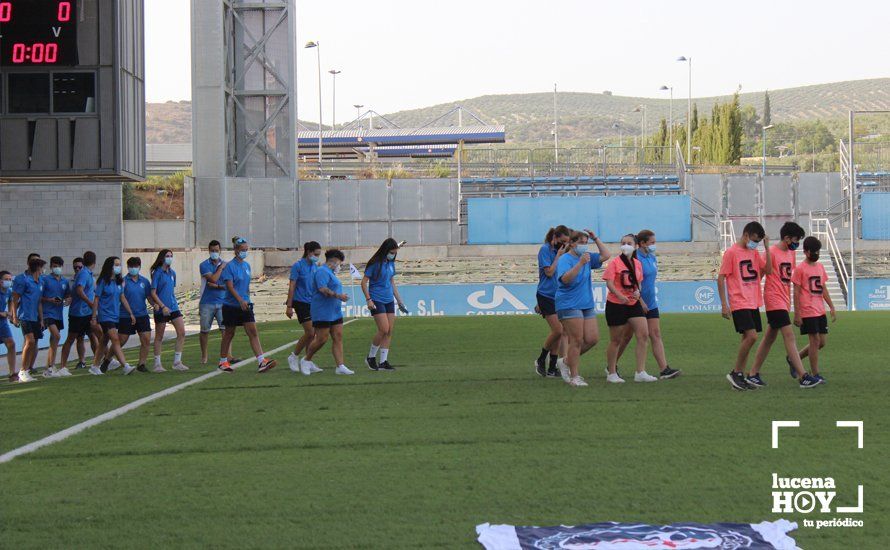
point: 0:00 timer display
(38, 32)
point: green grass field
(462, 433)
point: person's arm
(768, 268)
(551, 269)
(395, 292)
(365, 283)
(126, 305)
(40, 313)
(15, 308)
(827, 297)
(610, 284)
(289, 304)
(230, 286)
(721, 290)
(95, 306)
(601, 246)
(213, 278)
(570, 275)
(798, 290)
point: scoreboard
(72, 90)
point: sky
(399, 54)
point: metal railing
(727, 234)
(822, 229)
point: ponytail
(310, 247)
(558, 231)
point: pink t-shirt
(811, 278)
(617, 272)
(777, 285)
(743, 269)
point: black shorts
(107, 326)
(618, 314)
(546, 305)
(161, 318)
(653, 314)
(747, 319)
(327, 324)
(237, 317)
(79, 326)
(303, 310)
(814, 325)
(31, 327)
(58, 323)
(383, 308)
(124, 326)
(778, 318)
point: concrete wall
(155, 234)
(59, 219)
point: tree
(767, 114)
(694, 118)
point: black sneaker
(81, 365)
(820, 379)
(737, 381)
(104, 366)
(141, 367)
(668, 372)
(553, 372)
(539, 368)
(809, 382)
(266, 365)
(372, 363)
(755, 380)
(386, 366)
(791, 370)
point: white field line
(112, 414)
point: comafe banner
(640, 536)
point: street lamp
(358, 111)
(642, 109)
(617, 126)
(334, 73)
(555, 127)
(688, 107)
(670, 124)
(317, 47)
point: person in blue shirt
(238, 309)
(212, 294)
(27, 294)
(137, 291)
(166, 309)
(382, 295)
(56, 291)
(299, 298)
(556, 244)
(5, 315)
(110, 303)
(575, 306)
(80, 313)
(646, 255)
(327, 314)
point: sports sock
(106, 362)
(384, 353)
(553, 359)
(543, 356)
(374, 350)
(222, 360)
(259, 359)
(157, 360)
(177, 357)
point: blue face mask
(314, 259)
(242, 254)
(581, 248)
(116, 269)
(214, 256)
(133, 271)
(391, 256)
(7, 285)
(652, 248)
(57, 271)
(752, 245)
(793, 246)
(168, 260)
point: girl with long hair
(110, 297)
(556, 244)
(299, 300)
(163, 286)
(327, 315)
(382, 295)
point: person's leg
(222, 327)
(160, 329)
(144, 343)
(179, 325)
(627, 337)
(337, 343)
(10, 354)
(591, 334)
(387, 340)
(766, 343)
(100, 351)
(616, 336)
(574, 331)
(116, 348)
(54, 338)
(305, 339)
(641, 333)
(321, 337)
(254, 338)
(225, 343)
(748, 339)
(29, 351)
(791, 350)
(814, 353)
(81, 350)
(204, 338)
(382, 321)
(72, 338)
(657, 343)
(551, 343)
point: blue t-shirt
(109, 294)
(30, 292)
(322, 307)
(650, 272)
(546, 285)
(164, 284)
(210, 296)
(303, 272)
(380, 276)
(136, 292)
(238, 272)
(5, 296)
(579, 293)
(79, 308)
(54, 288)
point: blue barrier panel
(44, 342)
(872, 294)
(519, 299)
(525, 220)
(875, 216)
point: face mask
(581, 248)
(793, 246)
(814, 256)
(242, 254)
(133, 271)
(752, 245)
(214, 256)
(33, 266)
(168, 260)
(7, 285)
(57, 271)
(314, 259)
(117, 270)
(627, 249)
(337, 269)
(652, 249)
(391, 256)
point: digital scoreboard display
(38, 33)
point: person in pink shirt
(625, 306)
(740, 274)
(777, 297)
(810, 297)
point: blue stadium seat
(868, 183)
(659, 187)
(510, 189)
(525, 180)
(553, 188)
(613, 187)
(498, 180)
(674, 187)
(585, 178)
(628, 187)
(480, 180)
(865, 174)
(568, 179)
(525, 188)
(644, 187)
(540, 179)
(599, 188)
(613, 178)
(585, 187)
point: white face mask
(627, 249)
(337, 269)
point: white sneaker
(343, 370)
(115, 364)
(644, 377)
(180, 367)
(564, 370)
(293, 362)
(159, 368)
(62, 372)
(306, 366)
(96, 371)
(313, 368)
(128, 368)
(48, 372)
(578, 382)
(615, 379)
(24, 376)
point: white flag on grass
(354, 272)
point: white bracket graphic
(852, 509)
(858, 425)
(782, 424)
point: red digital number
(64, 12)
(37, 51)
(18, 53)
(52, 53)
(5, 12)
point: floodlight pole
(688, 108)
(555, 128)
(852, 297)
(334, 73)
(317, 47)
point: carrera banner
(640, 536)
